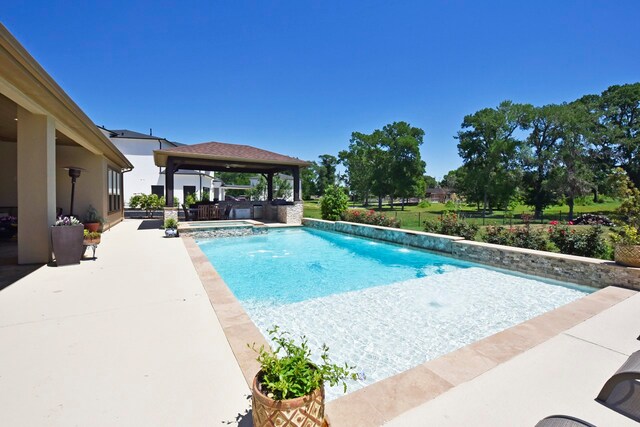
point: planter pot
(88, 242)
(305, 411)
(628, 255)
(67, 244)
(170, 232)
(92, 226)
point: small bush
(521, 237)
(590, 242)
(593, 219)
(424, 204)
(451, 225)
(369, 217)
(334, 203)
(170, 223)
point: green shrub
(136, 201)
(170, 223)
(590, 242)
(294, 374)
(521, 237)
(369, 217)
(333, 203)
(424, 204)
(451, 225)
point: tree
(451, 180)
(334, 202)
(488, 149)
(430, 182)
(326, 171)
(385, 162)
(359, 164)
(406, 167)
(572, 175)
(309, 177)
(281, 187)
(538, 155)
(620, 116)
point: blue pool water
(315, 263)
(381, 307)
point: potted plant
(67, 238)
(627, 249)
(92, 219)
(171, 227)
(91, 237)
(289, 386)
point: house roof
(29, 85)
(230, 156)
(130, 134)
(438, 190)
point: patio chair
(562, 421)
(187, 215)
(621, 392)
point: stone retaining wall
(418, 239)
(580, 270)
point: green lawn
(413, 217)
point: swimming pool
(383, 307)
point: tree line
(513, 153)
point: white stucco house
(147, 178)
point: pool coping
(384, 400)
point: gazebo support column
(270, 186)
(169, 210)
(168, 173)
(296, 184)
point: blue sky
(297, 77)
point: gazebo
(219, 156)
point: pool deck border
(384, 400)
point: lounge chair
(562, 421)
(621, 392)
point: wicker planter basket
(305, 411)
(628, 255)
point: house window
(114, 187)
(188, 189)
(205, 193)
(158, 190)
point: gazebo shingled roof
(220, 151)
(219, 156)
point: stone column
(36, 186)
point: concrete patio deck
(132, 339)
(129, 340)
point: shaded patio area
(223, 157)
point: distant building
(439, 195)
(147, 178)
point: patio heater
(74, 173)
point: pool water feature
(379, 306)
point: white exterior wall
(146, 173)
